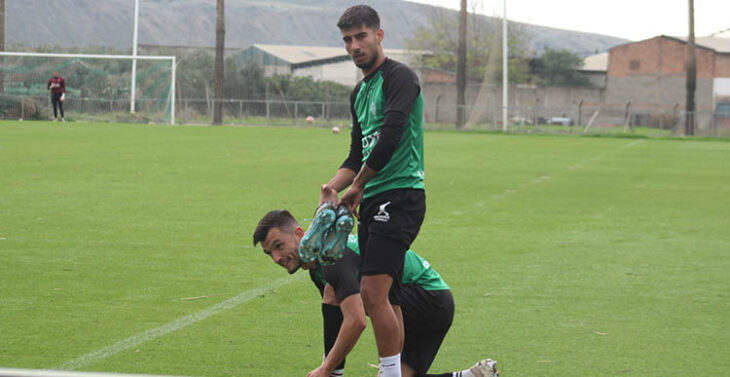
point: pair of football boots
(326, 239)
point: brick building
(652, 73)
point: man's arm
(352, 164)
(353, 196)
(342, 179)
(353, 324)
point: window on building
(634, 65)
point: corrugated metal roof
(598, 62)
(296, 54)
(300, 54)
(719, 44)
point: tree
(691, 74)
(440, 36)
(196, 75)
(245, 81)
(220, 32)
(559, 68)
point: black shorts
(389, 222)
(427, 317)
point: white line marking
(637, 142)
(177, 324)
(13, 372)
(542, 179)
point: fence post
(296, 112)
(627, 118)
(324, 116)
(661, 124)
(267, 111)
(494, 112)
(22, 107)
(580, 113)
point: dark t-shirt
(344, 276)
(57, 85)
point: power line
(719, 32)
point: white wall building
(320, 63)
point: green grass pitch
(567, 255)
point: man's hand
(327, 193)
(353, 198)
(320, 372)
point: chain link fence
(583, 118)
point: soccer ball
(310, 119)
(335, 130)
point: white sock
(464, 373)
(390, 366)
(338, 373)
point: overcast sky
(630, 19)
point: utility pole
(133, 90)
(461, 69)
(505, 71)
(220, 32)
(2, 40)
(690, 110)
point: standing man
(427, 303)
(384, 172)
(57, 85)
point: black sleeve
(332, 317)
(401, 88)
(354, 159)
(343, 276)
(316, 281)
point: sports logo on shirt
(370, 140)
(382, 215)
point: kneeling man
(426, 301)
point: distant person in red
(58, 94)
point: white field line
(637, 142)
(14, 372)
(244, 297)
(177, 324)
(545, 178)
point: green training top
(387, 99)
(416, 270)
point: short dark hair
(278, 218)
(359, 15)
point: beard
(295, 269)
(368, 64)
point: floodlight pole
(505, 70)
(134, 58)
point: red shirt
(57, 85)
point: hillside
(108, 23)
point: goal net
(98, 87)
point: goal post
(93, 79)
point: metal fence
(263, 112)
(583, 118)
(594, 119)
(86, 108)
